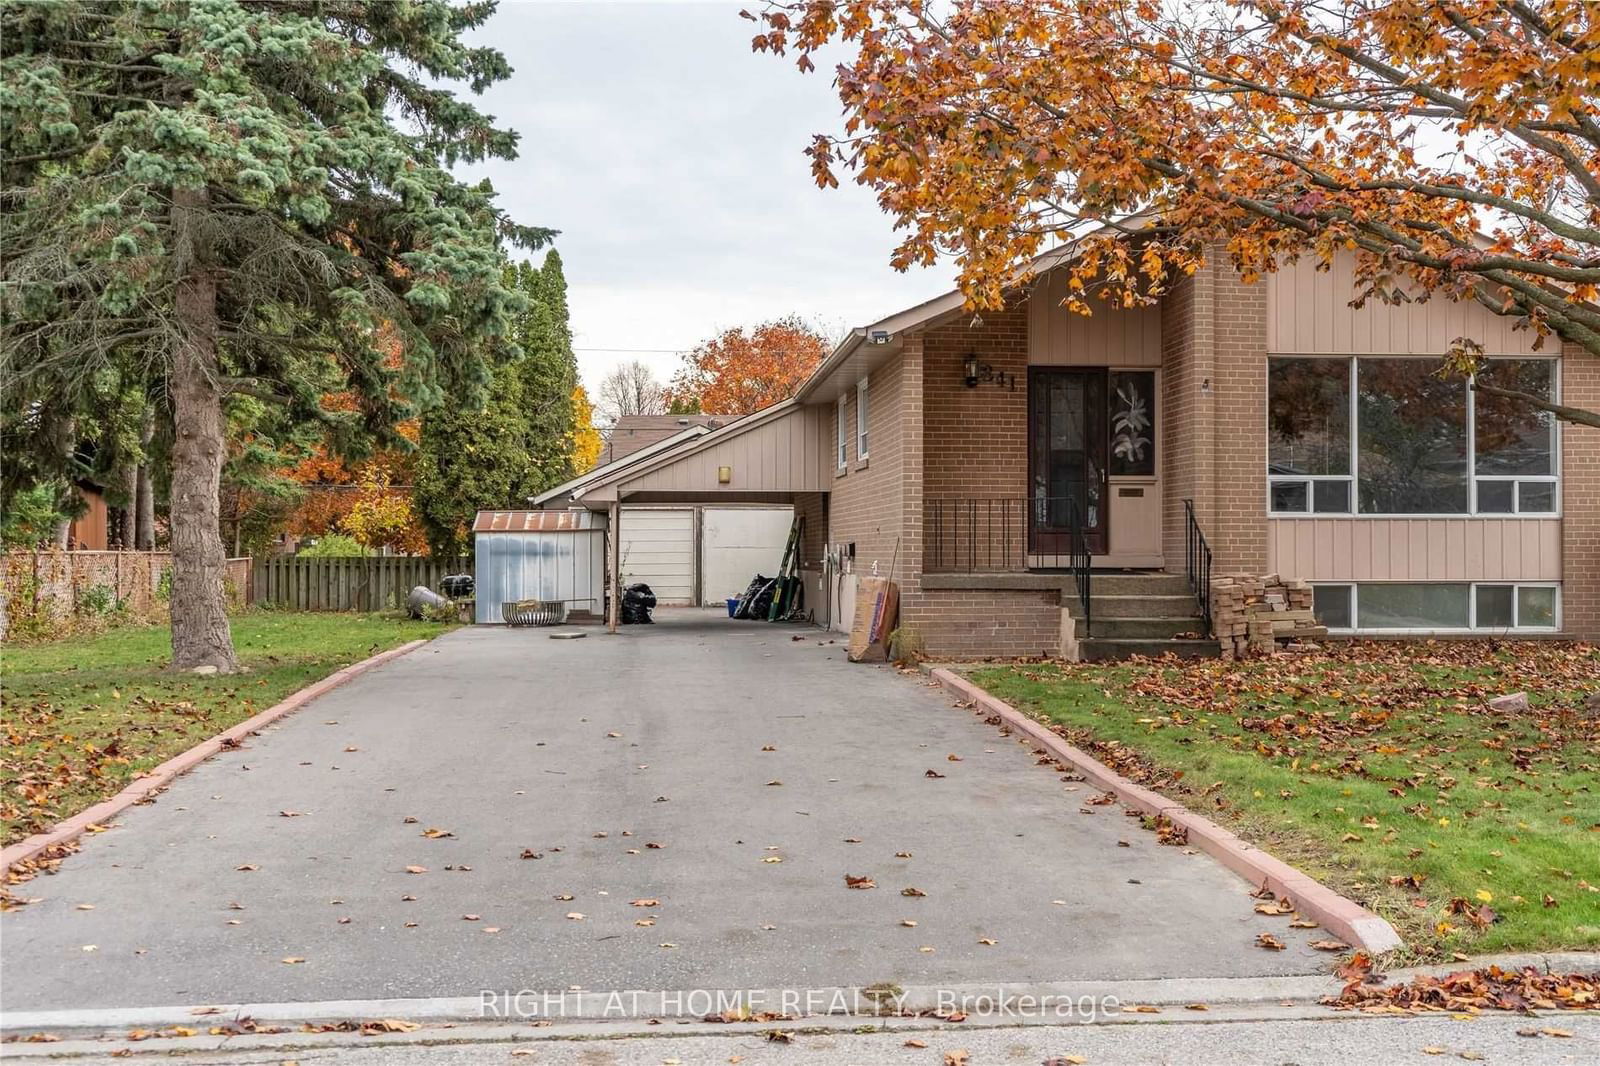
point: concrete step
(1099, 649)
(1153, 583)
(1145, 628)
(1134, 606)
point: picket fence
(375, 583)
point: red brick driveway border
(1343, 917)
(158, 778)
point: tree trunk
(62, 439)
(144, 492)
(200, 633)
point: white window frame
(843, 454)
(861, 419)
(1473, 477)
(1472, 627)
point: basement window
(1434, 606)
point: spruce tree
(520, 441)
(237, 196)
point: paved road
(635, 767)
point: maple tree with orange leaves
(1452, 145)
(739, 371)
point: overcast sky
(670, 158)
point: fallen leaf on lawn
(851, 881)
(416, 869)
(1330, 945)
(914, 892)
(1268, 941)
(645, 903)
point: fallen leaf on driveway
(564, 896)
(773, 858)
(206, 1010)
(779, 1036)
(1268, 941)
(645, 922)
(1330, 945)
(768, 747)
(1141, 1008)
(986, 942)
(902, 855)
(852, 840)
(852, 881)
(645, 903)
(85, 906)
(575, 916)
(1302, 923)
(1195, 1006)
(1432, 1049)
(529, 853)
(1277, 906)
(909, 923)
(289, 814)
(654, 845)
(408, 820)
(389, 1025)
(914, 892)
(914, 1042)
(416, 869)
(957, 1058)
(613, 736)
(770, 783)
(953, 758)
(247, 867)
(469, 917)
(932, 773)
(437, 834)
(292, 959)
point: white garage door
(738, 543)
(658, 549)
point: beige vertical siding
(1109, 337)
(1309, 313)
(780, 455)
(1415, 549)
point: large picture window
(1387, 435)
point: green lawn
(1376, 767)
(83, 715)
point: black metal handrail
(1197, 562)
(1078, 560)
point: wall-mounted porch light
(724, 475)
(974, 370)
(970, 368)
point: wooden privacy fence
(355, 583)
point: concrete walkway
(626, 768)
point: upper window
(861, 419)
(1387, 435)
(843, 434)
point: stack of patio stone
(1253, 614)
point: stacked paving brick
(1252, 615)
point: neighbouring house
(1025, 471)
(630, 433)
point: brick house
(997, 463)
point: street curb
(1343, 917)
(161, 776)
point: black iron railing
(995, 535)
(1078, 561)
(1197, 562)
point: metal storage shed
(546, 555)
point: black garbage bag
(747, 599)
(637, 600)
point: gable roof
(571, 488)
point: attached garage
(693, 556)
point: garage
(699, 556)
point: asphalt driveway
(729, 773)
